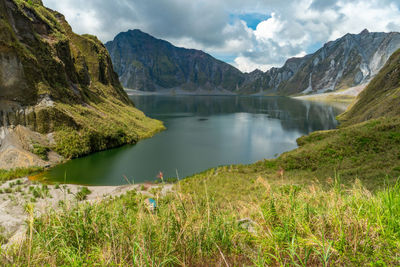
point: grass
(291, 224)
(39, 192)
(103, 125)
(41, 151)
(334, 201)
(6, 175)
(367, 151)
(82, 193)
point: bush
(82, 193)
(41, 151)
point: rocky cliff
(381, 98)
(61, 85)
(149, 64)
(346, 62)
(146, 63)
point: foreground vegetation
(269, 224)
(333, 201)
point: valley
(138, 152)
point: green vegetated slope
(55, 81)
(380, 98)
(334, 201)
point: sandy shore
(347, 95)
(16, 194)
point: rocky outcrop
(381, 98)
(149, 64)
(349, 61)
(19, 144)
(55, 81)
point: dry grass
(285, 224)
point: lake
(202, 132)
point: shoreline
(347, 95)
(14, 142)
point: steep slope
(346, 62)
(58, 83)
(149, 64)
(145, 63)
(380, 98)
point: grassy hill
(56, 82)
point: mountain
(346, 62)
(149, 64)
(59, 93)
(381, 98)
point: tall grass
(287, 224)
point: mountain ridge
(345, 62)
(162, 65)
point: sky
(251, 34)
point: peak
(138, 33)
(135, 31)
(365, 31)
(256, 71)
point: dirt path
(16, 194)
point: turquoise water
(202, 132)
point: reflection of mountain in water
(293, 114)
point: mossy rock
(56, 81)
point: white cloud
(245, 64)
(372, 15)
(291, 30)
(292, 27)
(269, 28)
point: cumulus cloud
(225, 28)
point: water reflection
(307, 115)
(203, 132)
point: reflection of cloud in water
(262, 136)
(310, 116)
(203, 132)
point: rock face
(145, 63)
(346, 62)
(55, 81)
(149, 64)
(380, 98)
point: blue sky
(248, 34)
(251, 19)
